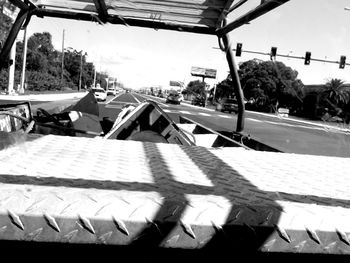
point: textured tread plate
(82, 190)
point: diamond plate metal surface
(96, 191)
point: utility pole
(94, 85)
(62, 66)
(81, 69)
(23, 77)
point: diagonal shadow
(235, 234)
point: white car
(111, 91)
(100, 94)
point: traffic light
(342, 61)
(307, 58)
(273, 53)
(239, 49)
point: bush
(42, 81)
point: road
(286, 135)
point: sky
(140, 57)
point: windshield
(293, 73)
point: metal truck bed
(95, 191)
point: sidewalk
(45, 97)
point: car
(200, 101)
(227, 104)
(175, 98)
(111, 91)
(99, 93)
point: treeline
(269, 85)
(44, 67)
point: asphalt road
(286, 135)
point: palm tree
(335, 95)
(336, 92)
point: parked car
(100, 94)
(112, 91)
(226, 104)
(200, 101)
(175, 98)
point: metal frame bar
(255, 13)
(126, 21)
(101, 9)
(235, 80)
(11, 38)
(20, 4)
(235, 6)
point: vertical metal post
(81, 69)
(94, 85)
(12, 70)
(11, 38)
(23, 76)
(235, 80)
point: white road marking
(114, 106)
(323, 126)
(204, 114)
(135, 98)
(185, 112)
(156, 100)
(224, 116)
(253, 120)
(113, 98)
(295, 125)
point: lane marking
(113, 98)
(185, 112)
(253, 120)
(204, 114)
(135, 98)
(290, 118)
(224, 116)
(113, 106)
(296, 126)
(154, 99)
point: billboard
(203, 72)
(175, 83)
(9, 10)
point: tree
(335, 92)
(224, 89)
(196, 87)
(335, 97)
(271, 85)
(5, 25)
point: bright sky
(141, 57)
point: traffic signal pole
(235, 80)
